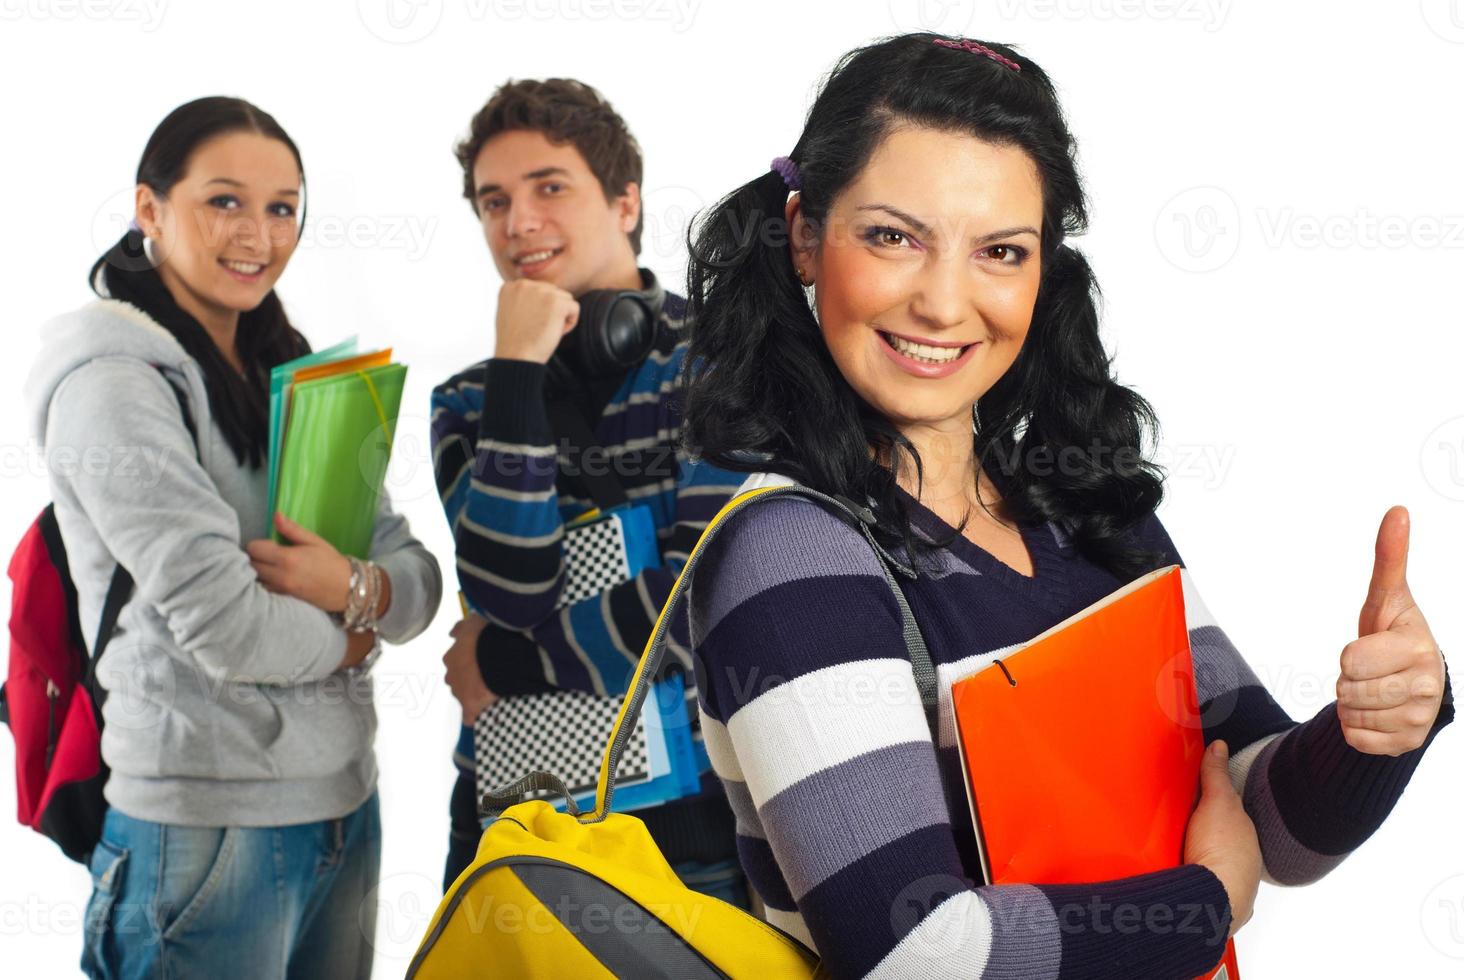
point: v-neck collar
(1049, 582)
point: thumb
(1387, 593)
(295, 533)
(1215, 769)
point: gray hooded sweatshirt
(224, 705)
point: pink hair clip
(966, 44)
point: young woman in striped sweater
(907, 327)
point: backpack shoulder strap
(183, 408)
(56, 553)
(862, 519)
(655, 650)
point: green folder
(281, 378)
(337, 444)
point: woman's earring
(149, 250)
(803, 278)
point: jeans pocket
(195, 861)
(108, 864)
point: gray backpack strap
(920, 662)
(496, 801)
(655, 652)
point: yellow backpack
(573, 894)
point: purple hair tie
(788, 170)
(966, 44)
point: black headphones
(617, 329)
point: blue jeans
(719, 879)
(217, 902)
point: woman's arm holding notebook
(1314, 798)
(813, 722)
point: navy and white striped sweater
(855, 830)
(508, 500)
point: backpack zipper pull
(53, 693)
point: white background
(1277, 215)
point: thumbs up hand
(1392, 682)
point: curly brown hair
(565, 111)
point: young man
(554, 176)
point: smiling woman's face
(228, 227)
(927, 271)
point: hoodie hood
(102, 328)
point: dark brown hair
(239, 403)
(565, 111)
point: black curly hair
(763, 392)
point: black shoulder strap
(56, 551)
(571, 425)
(862, 519)
(120, 589)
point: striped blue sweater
(508, 500)
(854, 827)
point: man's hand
(532, 316)
(463, 677)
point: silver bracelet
(355, 593)
(365, 618)
(363, 597)
(340, 617)
(373, 596)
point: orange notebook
(360, 362)
(1082, 749)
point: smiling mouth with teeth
(243, 268)
(923, 352)
(534, 257)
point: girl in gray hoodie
(242, 836)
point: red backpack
(50, 699)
